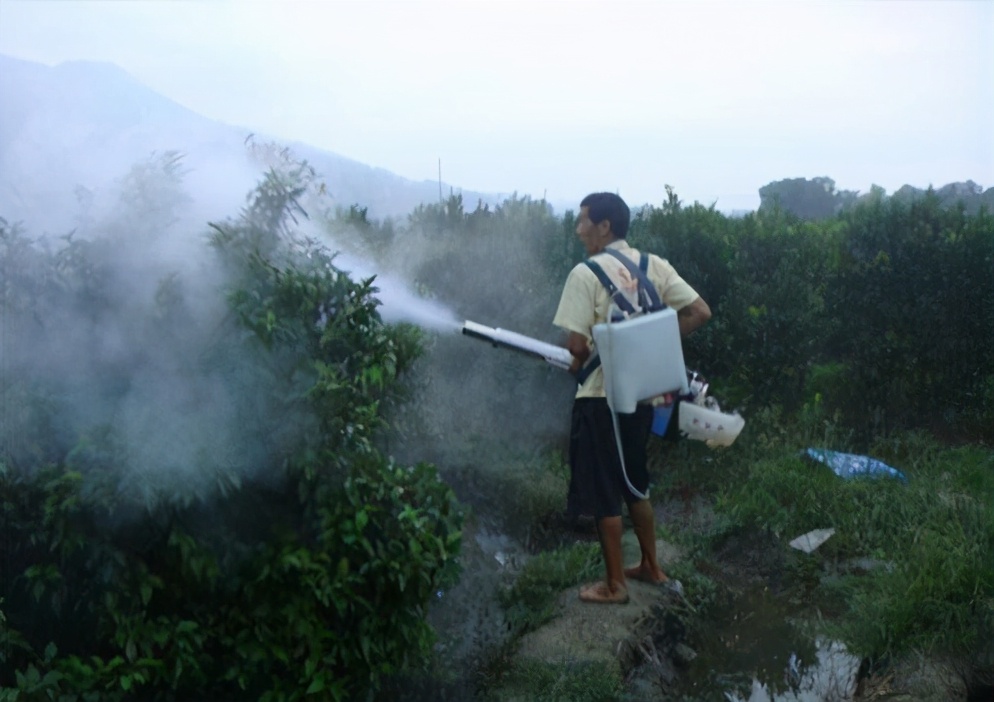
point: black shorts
(597, 485)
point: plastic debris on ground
(850, 465)
(812, 540)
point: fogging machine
(649, 348)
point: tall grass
(927, 546)
(531, 601)
(908, 570)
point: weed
(932, 539)
(564, 682)
(699, 590)
(519, 491)
(531, 601)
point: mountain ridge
(84, 124)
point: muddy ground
(757, 626)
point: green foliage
(773, 318)
(918, 351)
(490, 265)
(700, 592)
(531, 600)
(566, 682)
(967, 195)
(302, 567)
(883, 312)
(931, 540)
(155, 551)
(519, 491)
(698, 241)
(937, 596)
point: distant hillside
(68, 132)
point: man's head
(603, 218)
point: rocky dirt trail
(595, 633)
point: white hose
(621, 455)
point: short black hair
(609, 206)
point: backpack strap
(648, 297)
(584, 373)
(594, 363)
(620, 300)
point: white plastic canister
(709, 424)
(642, 357)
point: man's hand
(578, 345)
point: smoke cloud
(114, 350)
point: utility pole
(440, 179)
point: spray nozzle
(550, 353)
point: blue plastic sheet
(850, 465)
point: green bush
(915, 284)
(295, 561)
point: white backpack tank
(639, 349)
(642, 357)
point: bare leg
(644, 525)
(613, 589)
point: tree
(294, 559)
(808, 199)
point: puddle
(754, 649)
(830, 678)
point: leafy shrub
(915, 282)
(296, 561)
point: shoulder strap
(584, 373)
(620, 300)
(594, 363)
(648, 296)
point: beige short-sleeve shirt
(585, 302)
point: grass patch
(699, 590)
(566, 682)
(528, 604)
(934, 539)
(518, 490)
(928, 542)
(531, 601)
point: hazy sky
(564, 97)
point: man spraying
(599, 481)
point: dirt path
(593, 633)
